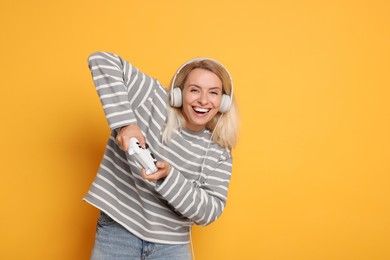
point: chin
(196, 122)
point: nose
(203, 99)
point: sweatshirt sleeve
(200, 204)
(120, 87)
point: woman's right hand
(127, 132)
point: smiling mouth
(201, 111)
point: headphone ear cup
(176, 98)
(225, 103)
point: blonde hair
(224, 125)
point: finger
(152, 177)
(119, 141)
(143, 172)
(126, 143)
(141, 140)
(159, 164)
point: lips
(200, 110)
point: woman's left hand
(163, 170)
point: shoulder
(221, 153)
(225, 154)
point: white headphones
(176, 99)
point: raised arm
(107, 70)
(120, 86)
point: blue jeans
(113, 242)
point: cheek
(186, 106)
(187, 98)
(216, 101)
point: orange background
(311, 171)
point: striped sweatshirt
(195, 189)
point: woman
(190, 130)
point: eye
(215, 92)
(194, 90)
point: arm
(108, 75)
(204, 204)
(121, 89)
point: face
(202, 95)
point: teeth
(201, 110)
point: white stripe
(103, 76)
(127, 68)
(116, 94)
(101, 66)
(134, 80)
(211, 177)
(116, 104)
(217, 194)
(217, 170)
(108, 85)
(189, 152)
(139, 88)
(124, 122)
(157, 108)
(119, 113)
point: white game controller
(143, 156)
